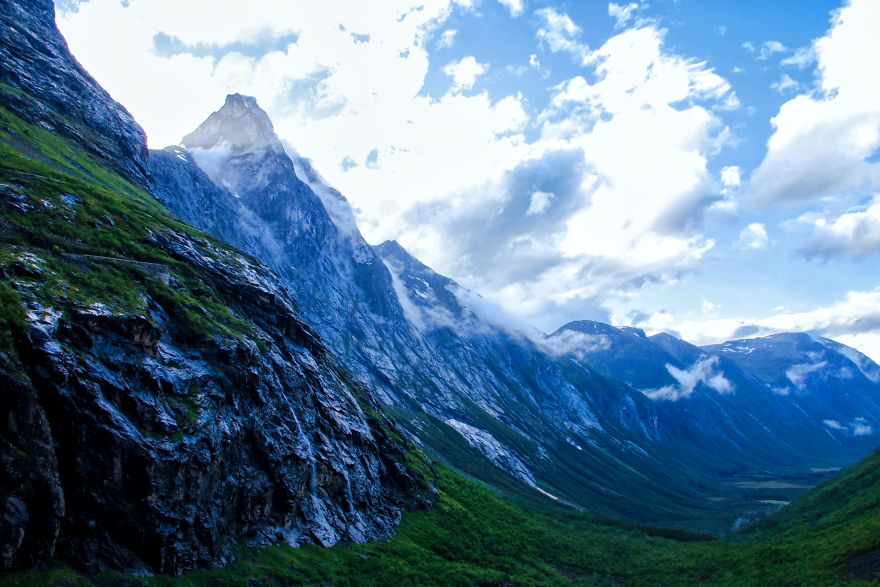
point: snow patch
(493, 450)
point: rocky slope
(36, 62)
(163, 399)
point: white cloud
(559, 33)
(644, 108)
(834, 424)
(514, 6)
(579, 344)
(465, 71)
(539, 202)
(702, 371)
(623, 13)
(855, 233)
(753, 236)
(858, 427)
(798, 374)
(731, 176)
(822, 140)
(314, 88)
(767, 49)
(447, 38)
(609, 229)
(785, 84)
(853, 320)
(771, 48)
(802, 58)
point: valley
(210, 377)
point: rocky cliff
(162, 398)
(42, 82)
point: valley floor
(831, 536)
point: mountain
(37, 63)
(784, 399)
(173, 396)
(163, 399)
(465, 380)
(832, 383)
(234, 179)
(475, 391)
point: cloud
(502, 232)
(855, 233)
(785, 84)
(579, 344)
(853, 320)
(858, 427)
(447, 38)
(455, 176)
(465, 71)
(702, 371)
(539, 203)
(559, 33)
(623, 13)
(731, 176)
(753, 236)
(798, 374)
(767, 49)
(515, 7)
(605, 229)
(313, 88)
(823, 141)
(802, 58)
(770, 48)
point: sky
(708, 169)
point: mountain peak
(240, 125)
(588, 327)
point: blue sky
(704, 168)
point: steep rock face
(41, 82)
(268, 211)
(162, 397)
(152, 424)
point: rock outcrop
(42, 82)
(152, 419)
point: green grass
(111, 218)
(11, 317)
(475, 537)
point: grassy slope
(111, 217)
(475, 537)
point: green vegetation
(71, 207)
(11, 317)
(475, 537)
